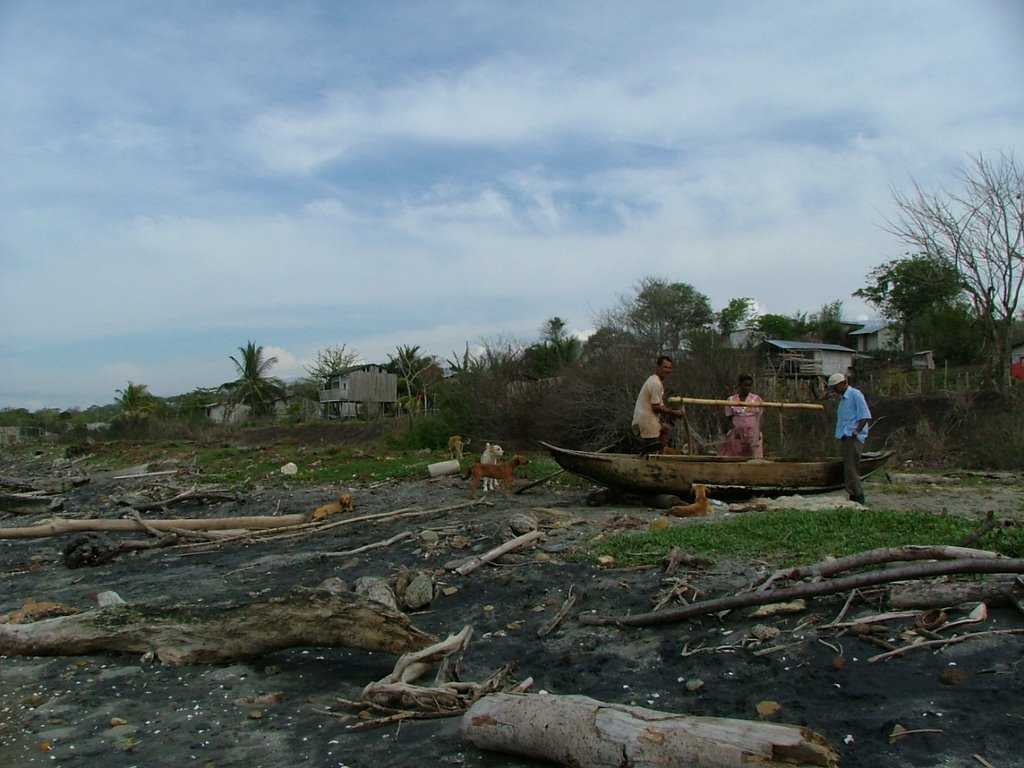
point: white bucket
(443, 468)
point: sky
(180, 178)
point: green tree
(555, 350)
(827, 324)
(662, 316)
(792, 328)
(912, 292)
(417, 373)
(255, 386)
(980, 230)
(735, 315)
(136, 405)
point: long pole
(746, 404)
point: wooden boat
(726, 477)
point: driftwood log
(578, 731)
(61, 525)
(31, 503)
(200, 634)
(42, 484)
(517, 543)
(816, 589)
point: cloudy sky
(179, 178)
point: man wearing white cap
(852, 419)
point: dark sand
(115, 711)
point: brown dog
(700, 507)
(456, 445)
(345, 503)
(501, 472)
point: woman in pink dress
(744, 437)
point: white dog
(492, 455)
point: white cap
(835, 378)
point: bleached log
(510, 545)
(62, 525)
(580, 731)
(201, 634)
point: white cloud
(191, 178)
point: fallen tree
(58, 526)
(577, 730)
(200, 634)
(816, 589)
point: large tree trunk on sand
(211, 634)
(62, 525)
(577, 730)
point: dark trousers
(850, 449)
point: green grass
(791, 537)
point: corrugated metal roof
(783, 344)
(869, 328)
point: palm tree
(136, 404)
(417, 372)
(255, 387)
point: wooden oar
(746, 403)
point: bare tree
(980, 229)
(330, 360)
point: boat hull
(726, 477)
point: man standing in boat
(852, 419)
(744, 436)
(650, 407)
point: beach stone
(429, 537)
(522, 523)
(419, 593)
(375, 588)
(953, 676)
(335, 585)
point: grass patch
(791, 537)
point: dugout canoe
(726, 477)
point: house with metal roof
(873, 337)
(806, 359)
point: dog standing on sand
(492, 455)
(455, 446)
(501, 471)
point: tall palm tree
(254, 387)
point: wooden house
(806, 359)
(359, 391)
(873, 337)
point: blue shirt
(852, 408)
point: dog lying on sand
(495, 472)
(345, 503)
(700, 508)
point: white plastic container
(443, 468)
